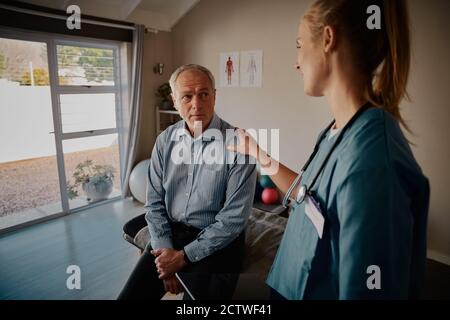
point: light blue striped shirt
(214, 197)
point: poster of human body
(229, 69)
(251, 68)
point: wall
(26, 123)
(219, 26)
(216, 26)
(428, 113)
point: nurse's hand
(246, 144)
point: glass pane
(81, 112)
(29, 185)
(23, 63)
(80, 66)
(90, 163)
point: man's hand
(172, 285)
(168, 261)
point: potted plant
(96, 181)
(164, 92)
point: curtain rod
(60, 17)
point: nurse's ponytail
(389, 86)
(382, 55)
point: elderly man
(199, 194)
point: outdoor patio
(29, 189)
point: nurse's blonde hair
(383, 55)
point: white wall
(26, 122)
(215, 26)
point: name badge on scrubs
(312, 211)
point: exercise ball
(269, 196)
(266, 182)
(138, 181)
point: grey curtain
(136, 108)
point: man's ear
(329, 39)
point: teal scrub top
(374, 199)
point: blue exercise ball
(138, 181)
(266, 182)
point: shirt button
(187, 194)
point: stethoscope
(305, 190)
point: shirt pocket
(306, 237)
(292, 266)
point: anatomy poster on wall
(229, 69)
(251, 68)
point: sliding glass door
(60, 109)
(29, 183)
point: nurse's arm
(281, 175)
(373, 236)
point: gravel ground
(32, 183)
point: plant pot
(167, 105)
(98, 190)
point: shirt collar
(208, 134)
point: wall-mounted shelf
(168, 111)
(165, 118)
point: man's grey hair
(176, 74)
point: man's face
(194, 98)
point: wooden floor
(34, 260)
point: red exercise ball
(269, 196)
